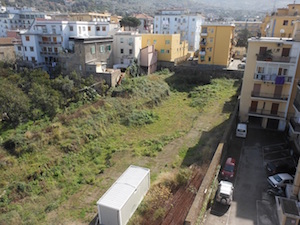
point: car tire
(224, 201)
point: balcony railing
(203, 33)
(273, 78)
(264, 112)
(202, 42)
(49, 43)
(282, 59)
(297, 104)
(269, 95)
(49, 53)
(202, 53)
(295, 123)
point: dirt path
(89, 194)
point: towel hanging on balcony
(279, 80)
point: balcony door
(274, 108)
(262, 50)
(278, 91)
(253, 106)
(285, 52)
(256, 89)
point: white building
(127, 46)
(178, 21)
(46, 39)
(12, 18)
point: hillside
(52, 171)
(124, 7)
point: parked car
(280, 180)
(228, 169)
(286, 165)
(224, 192)
(241, 66)
(244, 59)
(241, 130)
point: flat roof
(119, 193)
(289, 206)
(271, 39)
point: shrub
(139, 118)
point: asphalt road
(251, 204)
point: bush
(139, 118)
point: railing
(266, 112)
(295, 123)
(284, 59)
(202, 42)
(272, 78)
(49, 43)
(269, 95)
(203, 33)
(202, 53)
(297, 104)
(49, 53)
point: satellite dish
(282, 31)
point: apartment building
(169, 47)
(148, 61)
(216, 44)
(13, 18)
(179, 21)
(7, 53)
(46, 39)
(281, 22)
(126, 48)
(269, 81)
(146, 26)
(102, 17)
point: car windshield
(229, 168)
(277, 178)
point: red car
(228, 169)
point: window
(27, 38)
(89, 28)
(211, 39)
(285, 22)
(162, 51)
(19, 48)
(168, 51)
(71, 28)
(108, 48)
(97, 28)
(175, 19)
(49, 49)
(102, 48)
(93, 50)
(210, 49)
(154, 41)
(31, 49)
(25, 48)
(130, 51)
(193, 19)
(209, 59)
(54, 39)
(167, 42)
(55, 50)
(211, 30)
(122, 50)
(83, 29)
(33, 59)
(121, 40)
(103, 28)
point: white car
(280, 180)
(225, 192)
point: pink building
(148, 59)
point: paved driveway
(251, 204)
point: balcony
(263, 112)
(202, 53)
(48, 53)
(295, 123)
(269, 96)
(49, 43)
(203, 34)
(296, 104)
(282, 59)
(203, 43)
(273, 78)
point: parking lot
(251, 203)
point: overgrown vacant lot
(53, 172)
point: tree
(130, 22)
(14, 103)
(243, 38)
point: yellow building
(216, 43)
(281, 22)
(270, 82)
(168, 46)
(103, 17)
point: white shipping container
(121, 200)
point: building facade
(168, 46)
(47, 39)
(179, 21)
(216, 44)
(13, 18)
(269, 82)
(146, 26)
(7, 53)
(126, 48)
(281, 22)
(253, 27)
(148, 59)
